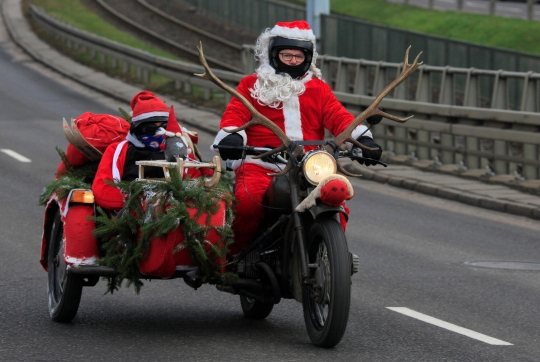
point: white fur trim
(222, 134)
(293, 118)
(293, 33)
(359, 130)
(131, 138)
(249, 159)
(311, 199)
(115, 170)
(149, 114)
(80, 261)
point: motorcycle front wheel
(326, 301)
(64, 289)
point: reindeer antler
(373, 109)
(257, 117)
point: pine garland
(125, 115)
(168, 202)
(73, 179)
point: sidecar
(70, 253)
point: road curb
(444, 192)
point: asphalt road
(413, 251)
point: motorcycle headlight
(318, 165)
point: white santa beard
(272, 89)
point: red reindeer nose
(334, 193)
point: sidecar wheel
(64, 289)
(326, 302)
(254, 309)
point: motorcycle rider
(288, 89)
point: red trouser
(251, 184)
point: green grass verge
(73, 12)
(488, 30)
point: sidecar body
(70, 253)
(81, 251)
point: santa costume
(118, 161)
(303, 108)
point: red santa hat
(298, 29)
(173, 127)
(145, 106)
(172, 124)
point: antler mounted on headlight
(345, 136)
(373, 109)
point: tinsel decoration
(156, 208)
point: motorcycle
(300, 251)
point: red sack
(100, 130)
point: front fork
(299, 228)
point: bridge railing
(468, 118)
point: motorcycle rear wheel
(254, 309)
(326, 303)
(64, 289)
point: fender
(80, 246)
(323, 209)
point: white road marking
(451, 327)
(15, 155)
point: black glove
(234, 139)
(376, 118)
(376, 154)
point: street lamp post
(314, 10)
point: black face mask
(295, 71)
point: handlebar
(355, 154)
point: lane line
(15, 155)
(451, 327)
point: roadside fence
(465, 118)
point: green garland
(170, 200)
(72, 179)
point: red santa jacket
(303, 117)
(111, 168)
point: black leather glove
(234, 139)
(376, 154)
(376, 118)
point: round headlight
(318, 165)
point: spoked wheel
(64, 289)
(326, 301)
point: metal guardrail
(449, 127)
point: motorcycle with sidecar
(300, 251)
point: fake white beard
(273, 89)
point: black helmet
(278, 43)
